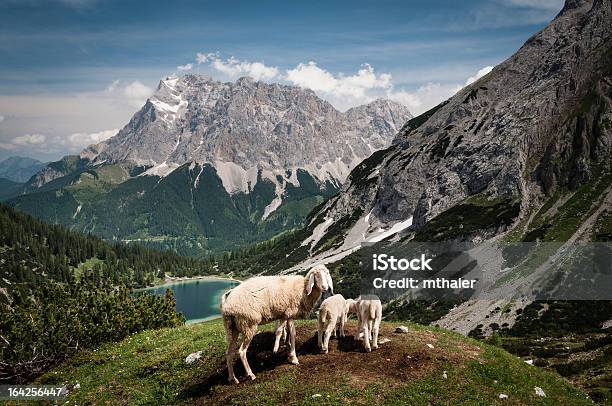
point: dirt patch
(403, 359)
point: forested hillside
(61, 291)
(32, 251)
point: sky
(73, 72)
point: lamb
(331, 315)
(264, 299)
(350, 307)
(369, 316)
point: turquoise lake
(198, 300)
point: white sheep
(331, 315)
(369, 316)
(264, 299)
(351, 306)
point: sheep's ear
(329, 281)
(311, 282)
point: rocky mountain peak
(539, 121)
(249, 125)
(206, 166)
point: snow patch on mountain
(162, 170)
(318, 232)
(380, 234)
(358, 235)
(235, 178)
(250, 131)
(275, 204)
(168, 101)
(197, 179)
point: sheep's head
(319, 276)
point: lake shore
(197, 298)
(170, 280)
(202, 320)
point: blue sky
(74, 71)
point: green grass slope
(150, 368)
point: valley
(113, 260)
(230, 165)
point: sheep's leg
(320, 334)
(292, 355)
(342, 321)
(375, 333)
(232, 341)
(280, 329)
(358, 332)
(328, 332)
(248, 336)
(366, 335)
(285, 333)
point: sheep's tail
(322, 315)
(372, 312)
(231, 329)
(224, 298)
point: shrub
(42, 327)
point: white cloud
(81, 140)
(431, 94)
(344, 91)
(203, 58)
(478, 75)
(424, 97)
(59, 116)
(341, 90)
(36, 144)
(29, 139)
(9, 146)
(1, 119)
(136, 93)
(26, 141)
(113, 86)
(233, 68)
(185, 67)
(311, 76)
(61, 124)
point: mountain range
(522, 155)
(537, 127)
(206, 166)
(19, 169)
